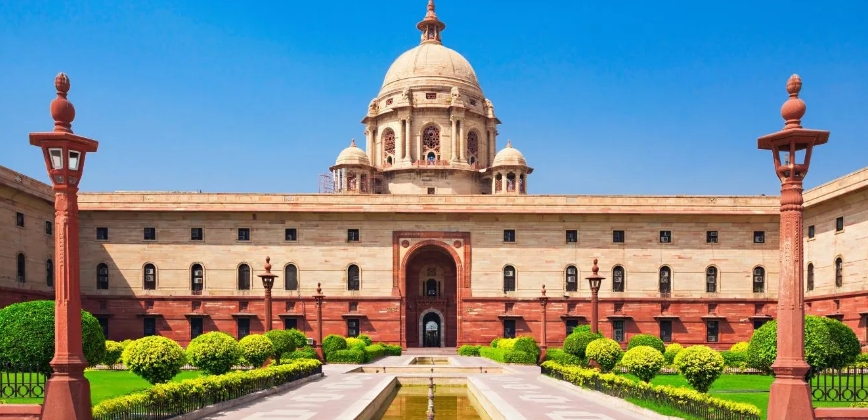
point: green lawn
(105, 384)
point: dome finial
(61, 109)
(353, 143)
(509, 144)
(794, 108)
(431, 26)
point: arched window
(20, 273)
(363, 183)
(498, 183)
(102, 276)
(839, 272)
(351, 181)
(572, 279)
(197, 279)
(711, 279)
(618, 279)
(508, 279)
(353, 277)
(431, 287)
(510, 182)
(388, 146)
(810, 277)
(49, 273)
(665, 280)
(290, 277)
(522, 186)
(759, 280)
(243, 277)
(431, 143)
(472, 148)
(149, 277)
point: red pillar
(318, 297)
(595, 280)
(267, 283)
(543, 301)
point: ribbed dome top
(431, 64)
(353, 156)
(509, 157)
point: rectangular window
(618, 330)
(354, 306)
(352, 327)
(150, 326)
(759, 237)
(665, 236)
(150, 234)
(509, 235)
(290, 323)
(508, 328)
(431, 191)
(666, 331)
(811, 231)
(711, 237)
(839, 224)
(290, 234)
(243, 325)
(243, 234)
(196, 327)
(572, 236)
(49, 228)
(759, 323)
(103, 322)
(353, 235)
(196, 234)
(712, 331)
(19, 219)
(430, 95)
(618, 236)
(102, 233)
(571, 323)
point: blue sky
(631, 97)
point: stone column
(543, 301)
(407, 149)
(453, 143)
(462, 143)
(399, 142)
(318, 297)
(267, 283)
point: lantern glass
(56, 155)
(595, 283)
(74, 160)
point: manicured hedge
(283, 342)
(333, 343)
(392, 349)
(177, 398)
(306, 352)
(560, 356)
(672, 350)
(508, 355)
(647, 340)
(828, 344)
(351, 356)
(113, 352)
(468, 350)
(577, 342)
(373, 352)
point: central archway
(431, 292)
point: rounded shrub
(468, 350)
(27, 335)
(214, 353)
(606, 352)
(527, 344)
(255, 349)
(672, 350)
(356, 343)
(577, 342)
(740, 347)
(495, 342)
(333, 343)
(282, 342)
(647, 340)
(298, 338)
(366, 339)
(822, 349)
(846, 342)
(113, 352)
(643, 361)
(700, 366)
(155, 359)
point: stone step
(425, 351)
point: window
(472, 145)
(102, 276)
(572, 275)
(711, 279)
(759, 237)
(150, 326)
(509, 235)
(618, 279)
(290, 323)
(243, 277)
(103, 323)
(839, 272)
(665, 236)
(811, 232)
(572, 236)
(571, 323)
(49, 273)
(352, 327)
(759, 323)
(197, 279)
(20, 264)
(353, 278)
(243, 234)
(196, 234)
(431, 190)
(810, 277)
(49, 228)
(431, 287)
(839, 224)
(352, 235)
(618, 236)
(618, 330)
(711, 237)
(508, 279)
(666, 331)
(354, 306)
(759, 280)
(665, 280)
(508, 328)
(196, 327)
(711, 329)
(150, 234)
(243, 325)
(430, 95)
(290, 277)
(102, 233)
(19, 219)
(149, 281)
(290, 234)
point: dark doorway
(431, 326)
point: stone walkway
(522, 394)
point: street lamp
(790, 396)
(67, 392)
(267, 282)
(318, 297)
(543, 301)
(595, 280)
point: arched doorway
(431, 328)
(431, 291)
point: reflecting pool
(450, 402)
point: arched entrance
(432, 329)
(431, 291)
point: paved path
(522, 394)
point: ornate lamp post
(67, 392)
(543, 301)
(267, 282)
(790, 396)
(595, 280)
(318, 299)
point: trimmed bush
(643, 361)
(27, 335)
(672, 350)
(374, 351)
(214, 353)
(647, 340)
(700, 366)
(113, 352)
(355, 343)
(282, 342)
(366, 339)
(255, 349)
(495, 342)
(352, 356)
(528, 345)
(306, 352)
(155, 359)
(392, 349)
(734, 359)
(823, 348)
(468, 350)
(507, 355)
(740, 347)
(606, 352)
(333, 343)
(560, 356)
(298, 338)
(577, 342)
(846, 341)
(506, 343)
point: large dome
(431, 64)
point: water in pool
(450, 402)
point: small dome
(431, 64)
(509, 157)
(353, 156)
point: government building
(428, 235)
